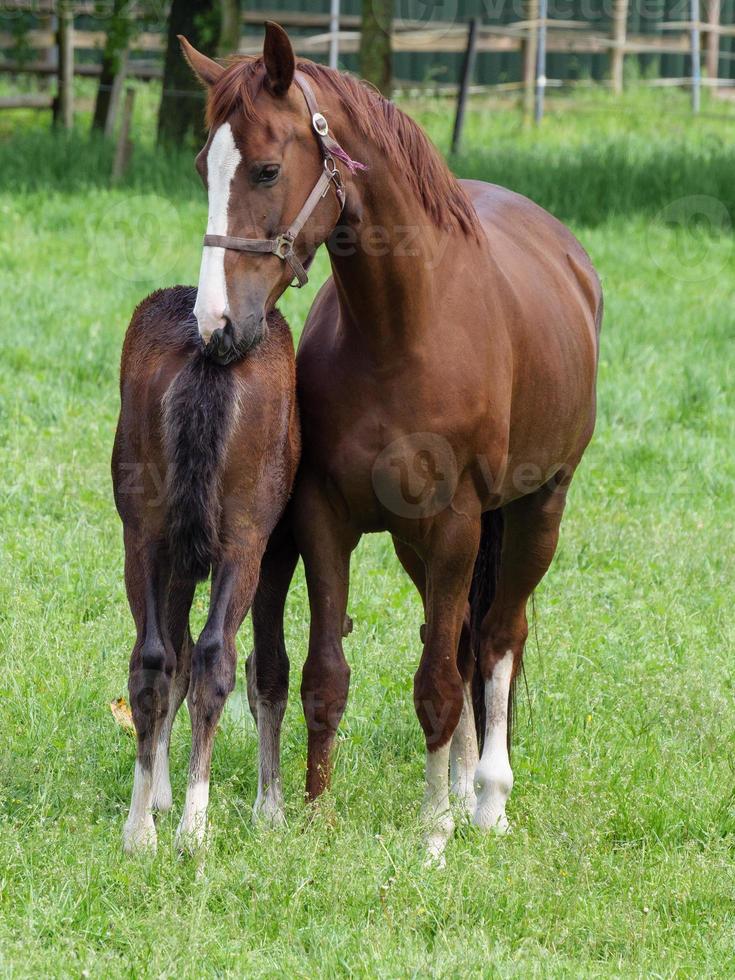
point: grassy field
(621, 861)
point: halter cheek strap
(282, 246)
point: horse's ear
(280, 61)
(204, 68)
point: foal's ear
(280, 61)
(204, 68)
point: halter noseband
(282, 246)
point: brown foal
(446, 380)
(204, 458)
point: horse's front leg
(439, 692)
(213, 665)
(326, 543)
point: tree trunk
(120, 31)
(229, 32)
(181, 114)
(375, 44)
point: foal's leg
(267, 670)
(438, 685)
(325, 543)
(152, 664)
(213, 677)
(463, 754)
(530, 535)
(180, 596)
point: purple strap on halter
(352, 165)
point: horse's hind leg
(152, 664)
(180, 596)
(449, 556)
(213, 665)
(267, 669)
(463, 754)
(530, 536)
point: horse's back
(527, 241)
(189, 427)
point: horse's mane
(398, 138)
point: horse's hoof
(496, 823)
(191, 839)
(465, 798)
(347, 626)
(269, 812)
(435, 856)
(140, 837)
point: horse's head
(260, 163)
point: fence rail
(54, 51)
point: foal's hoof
(269, 812)
(190, 840)
(347, 626)
(435, 856)
(140, 837)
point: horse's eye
(267, 174)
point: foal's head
(260, 162)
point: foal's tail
(482, 593)
(197, 419)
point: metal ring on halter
(283, 246)
(331, 168)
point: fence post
(115, 93)
(696, 56)
(620, 31)
(541, 61)
(64, 106)
(529, 58)
(124, 147)
(713, 39)
(333, 34)
(468, 70)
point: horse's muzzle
(227, 345)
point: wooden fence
(56, 47)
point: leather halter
(282, 246)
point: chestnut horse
(205, 454)
(446, 383)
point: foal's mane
(398, 138)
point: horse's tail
(198, 413)
(482, 593)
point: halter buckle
(283, 246)
(321, 127)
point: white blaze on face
(211, 302)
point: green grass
(595, 156)
(622, 858)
